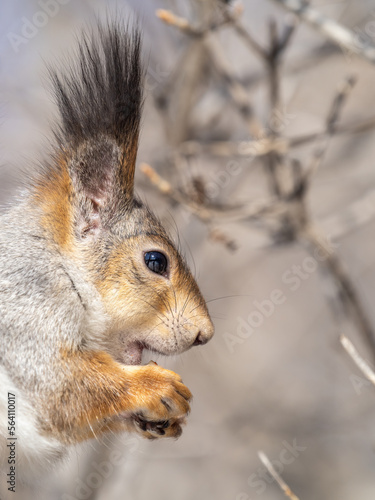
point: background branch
(336, 33)
(276, 476)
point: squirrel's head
(150, 294)
(89, 208)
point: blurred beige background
(289, 385)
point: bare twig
(273, 66)
(273, 160)
(218, 236)
(251, 42)
(348, 294)
(286, 37)
(357, 128)
(359, 212)
(234, 19)
(179, 22)
(264, 146)
(162, 185)
(197, 209)
(236, 90)
(277, 168)
(186, 27)
(249, 149)
(343, 92)
(351, 128)
(338, 34)
(210, 213)
(357, 358)
(280, 481)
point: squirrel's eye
(156, 262)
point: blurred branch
(247, 149)
(185, 26)
(361, 211)
(244, 33)
(229, 16)
(354, 128)
(352, 304)
(251, 42)
(236, 90)
(358, 360)
(276, 476)
(275, 163)
(178, 22)
(339, 100)
(290, 26)
(338, 34)
(263, 146)
(277, 167)
(206, 213)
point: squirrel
(89, 278)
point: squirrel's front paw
(157, 429)
(160, 401)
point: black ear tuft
(100, 102)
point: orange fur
(118, 293)
(98, 389)
(127, 168)
(54, 197)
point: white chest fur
(33, 452)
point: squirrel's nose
(204, 336)
(200, 340)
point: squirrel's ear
(102, 177)
(103, 173)
(100, 101)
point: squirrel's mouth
(133, 354)
(137, 353)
